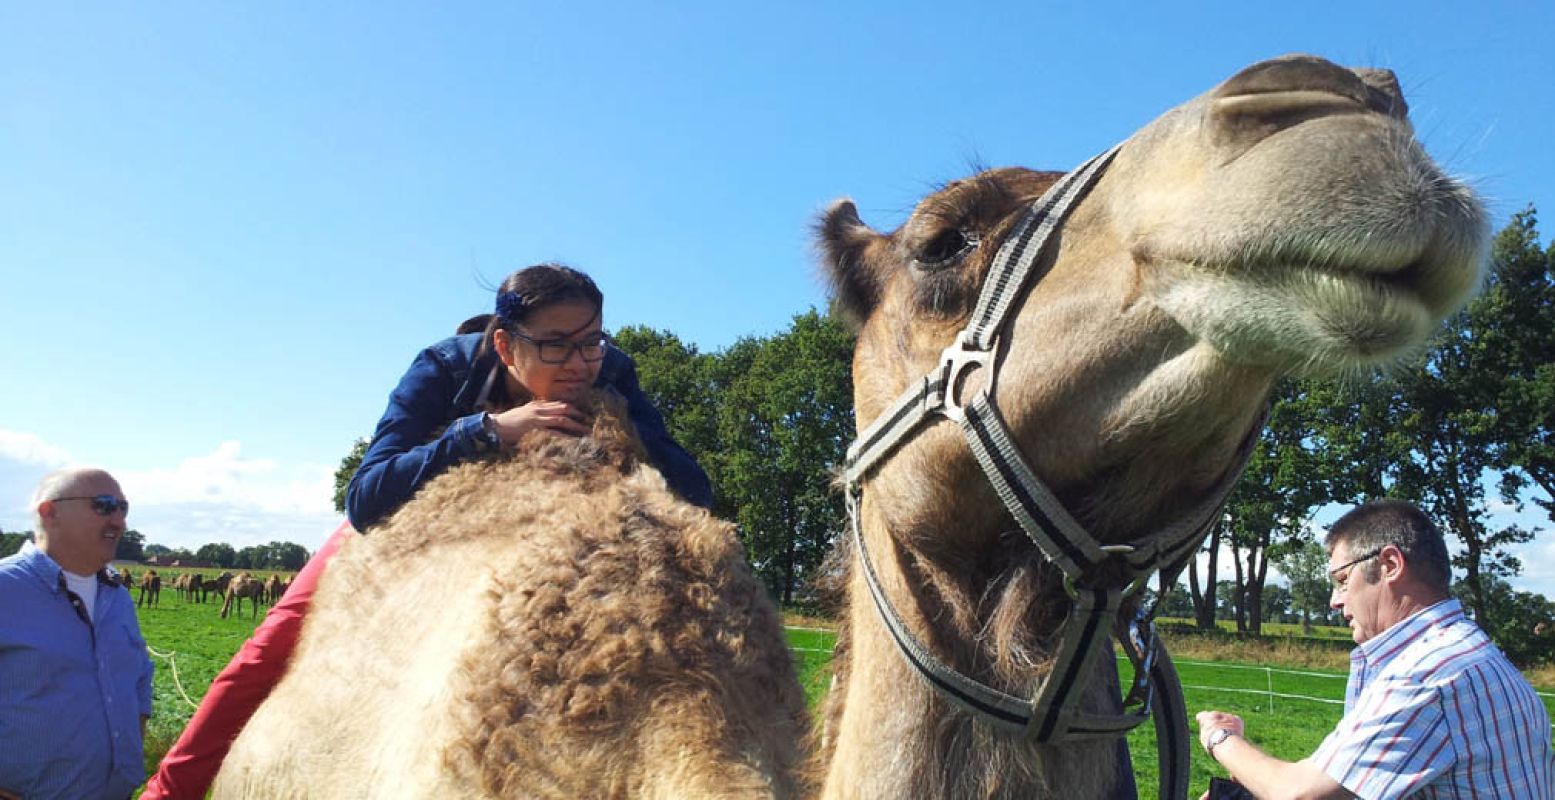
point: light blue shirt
(1433, 709)
(71, 692)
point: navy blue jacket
(432, 423)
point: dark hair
(474, 324)
(533, 288)
(1379, 523)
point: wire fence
(1267, 691)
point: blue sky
(226, 228)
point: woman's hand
(555, 415)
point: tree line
(770, 418)
(133, 547)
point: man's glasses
(1333, 575)
(104, 504)
(557, 351)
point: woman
(463, 397)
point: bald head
(79, 515)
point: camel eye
(945, 249)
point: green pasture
(1270, 696)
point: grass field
(1240, 676)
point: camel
(592, 636)
(274, 586)
(150, 589)
(1284, 223)
(241, 587)
(216, 585)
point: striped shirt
(1433, 709)
(72, 688)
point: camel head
(1285, 222)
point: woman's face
(552, 332)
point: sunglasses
(104, 504)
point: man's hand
(1211, 721)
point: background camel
(216, 585)
(550, 624)
(1285, 222)
(274, 587)
(244, 586)
(150, 589)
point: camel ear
(844, 241)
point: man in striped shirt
(1433, 708)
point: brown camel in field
(150, 589)
(274, 586)
(188, 586)
(216, 586)
(553, 623)
(1286, 222)
(244, 586)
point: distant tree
(131, 546)
(218, 553)
(347, 470)
(287, 556)
(252, 557)
(1515, 618)
(1274, 603)
(11, 542)
(1306, 567)
(153, 550)
(179, 554)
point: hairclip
(510, 306)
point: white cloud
(220, 496)
(27, 448)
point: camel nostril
(1296, 73)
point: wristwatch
(1216, 737)
(486, 439)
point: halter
(1052, 715)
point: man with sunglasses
(1432, 709)
(75, 678)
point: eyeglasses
(1333, 575)
(557, 351)
(104, 504)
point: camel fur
(551, 623)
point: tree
(1306, 567)
(347, 470)
(153, 550)
(1516, 618)
(1288, 477)
(1515, 322)
(287, 556)
(218, 553)
(131, 546)
(785, 417)
(11, 542)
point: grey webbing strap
(893, 426)
(1053, 715)
(1034, 507)
(1002, 709)
(1012, 264)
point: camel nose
(1273, 95)
(1375, 89)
